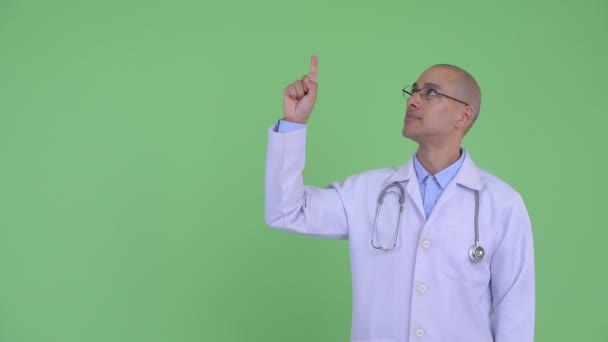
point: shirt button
(421, 288)
(426, 244)
(419, 332)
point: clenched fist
(300, 97)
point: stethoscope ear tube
(380, 202)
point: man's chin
(407, 134)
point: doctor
(440, 249)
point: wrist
(298, 121)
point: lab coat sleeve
(289, 203)
(513, 278)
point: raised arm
(289, 203)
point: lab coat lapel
(467, 176)
(406, 173)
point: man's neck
(435, 159)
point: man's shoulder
(496, 185)
(380, 171)
(374, 176)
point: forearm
(289, 203)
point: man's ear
(466, 118)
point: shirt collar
(468, 175)
(444, 176)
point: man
(440, 249)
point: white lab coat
(426, 289)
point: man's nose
(414, 100)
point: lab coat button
(419, 332)
(426, 244)
(421, 288)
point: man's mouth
(411, 116)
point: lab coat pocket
(455, 261)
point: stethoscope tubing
(476, 251)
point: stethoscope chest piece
(476, 253)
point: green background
(132, 150)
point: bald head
(467, 88)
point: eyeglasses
(427, 93)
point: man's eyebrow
(428, 84)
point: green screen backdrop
(133, 140)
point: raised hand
(299, 97)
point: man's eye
(431, 92)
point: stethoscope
(476, 252)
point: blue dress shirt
(431, 186)
(287, 126)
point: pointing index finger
(314, 65)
